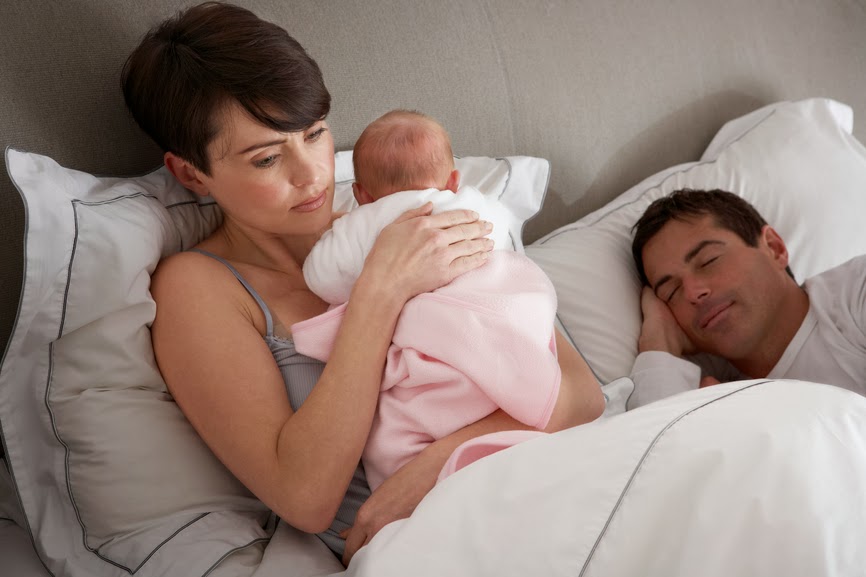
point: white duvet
(748, 478)
(755, 478)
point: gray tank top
(300, 374)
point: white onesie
(337, 258)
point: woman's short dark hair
(728, 210)
(188, 68)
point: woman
(239, 109)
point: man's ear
(185, 173)
(775, 245)
(361, 195)
(453, 181)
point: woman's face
(275, 183)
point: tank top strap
(267, 312)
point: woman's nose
(303, 171)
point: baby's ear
(361, 195)
(453, 181)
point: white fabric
(111, 476)
(748, 478)
(518, 182)
(336, 260)
(796, 162)
(829, 347)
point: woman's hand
(420, 252)
(396, 498)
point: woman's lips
(313, 204)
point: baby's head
(402, 150)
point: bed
(577, 114)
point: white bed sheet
(748, 478)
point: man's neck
(792, 312)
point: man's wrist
(647, 343)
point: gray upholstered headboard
(609, 90)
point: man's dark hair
(728, 210)
(188, 68)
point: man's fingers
(709, 381)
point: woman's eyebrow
(261, 145)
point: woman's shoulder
(188, 268)
(192, 279)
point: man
(717, 281)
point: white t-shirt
(829, 347)
(337, 258)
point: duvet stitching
(639, 466)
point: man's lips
(312, 204)
(708, 317)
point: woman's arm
(580, 401)
(223, 376)
(580, 398)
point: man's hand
(660, 331)
(709, 381)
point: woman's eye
(266, 162)
(315, 135)
(709, 262)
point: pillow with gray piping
(111, 477)
(796, 162)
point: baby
(402, 160)
(484, 341)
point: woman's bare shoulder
(194, 289)
(185, 267)
(197, 283)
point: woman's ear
(361, 195)
(185, 173)
(453, 181)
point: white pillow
(112, 478)
(518, 182)
(796, 162)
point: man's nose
(695, 290)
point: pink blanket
(482, 342)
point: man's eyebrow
(662, 281)
(273, 142)
(700, 246)
(689, 256)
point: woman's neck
(284, 253)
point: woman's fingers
(466, 263)
(422, 210)
(467, 231)
(355, 539)
(420, 252)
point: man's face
(724, 293)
